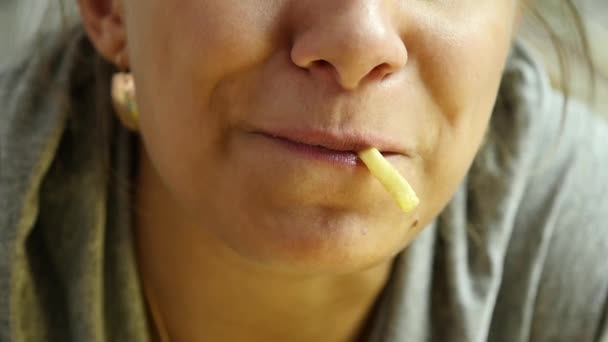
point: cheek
(178, 66)
(211, 39)
(461, 65)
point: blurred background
(22, 20)
(594, 17)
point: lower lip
(342, 158)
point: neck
(204, 291)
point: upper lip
(343, 140)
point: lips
(330, 141)
(316, 152)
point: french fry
(390, 178)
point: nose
(348, 42)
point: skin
(240, 240)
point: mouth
(340, 148)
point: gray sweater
(519, 254)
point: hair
(568, 49)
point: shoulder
(27, 87)
(28, 91)
(571, 209)
(47, 112)
(33, 116)
(545, 152)
(559, 242)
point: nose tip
(350, 50)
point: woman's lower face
(251, 114)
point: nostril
(323, 66)
(381, 72)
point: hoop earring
(123, 97)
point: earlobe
(103, 21)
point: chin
(320, 241)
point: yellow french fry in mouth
(390, 178)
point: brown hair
(568, 36)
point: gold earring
(123, 98)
